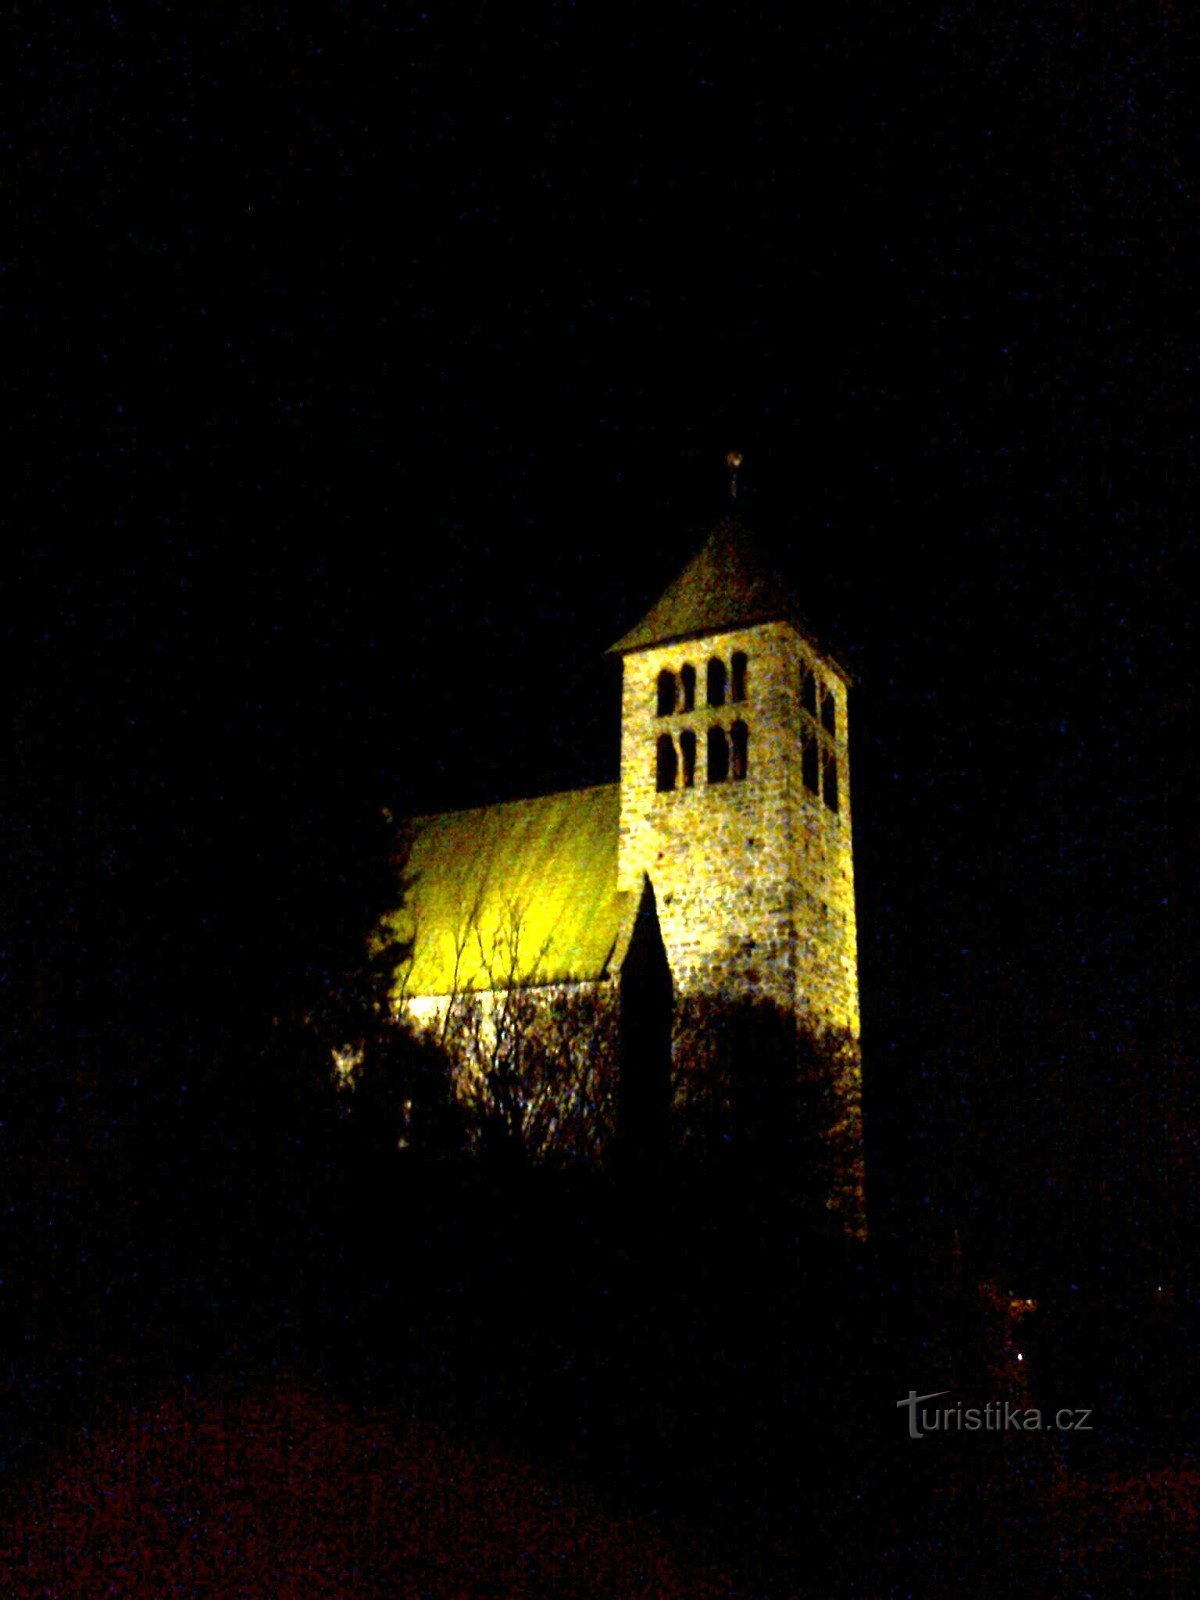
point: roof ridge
(513, 800)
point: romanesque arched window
(718, 755)
(808, 690)
(687, 750)
(687, 683)
(666, 693)
(810, 762)
(828, 709)
(665, 763)
(739, 741)
(716, 682)
(737, 686)
(830, 786)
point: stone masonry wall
(753, 876)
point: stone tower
(735, 789)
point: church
(718, 867)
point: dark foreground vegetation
(286, 1365)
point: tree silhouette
(534, 1064)
(759, 1093)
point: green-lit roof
(727, 584)
(513, 894)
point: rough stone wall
(718, 854)
(753, 876)
(822, 863)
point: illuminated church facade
(721, 860)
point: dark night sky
(373, 371)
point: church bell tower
(735, 787)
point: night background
(370, 372)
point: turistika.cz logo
(997, 1416)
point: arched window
(687, 682)
(665, 763)
(828, 709)
(716, 682)
(687, 749)
(810, 763)
(739, 739)
(831, 783)
(737, 687)
(718, 755)
(666, 693)
(808, 691)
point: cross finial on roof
(733, 461)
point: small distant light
(1020, 1357)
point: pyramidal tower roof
(727, 584)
